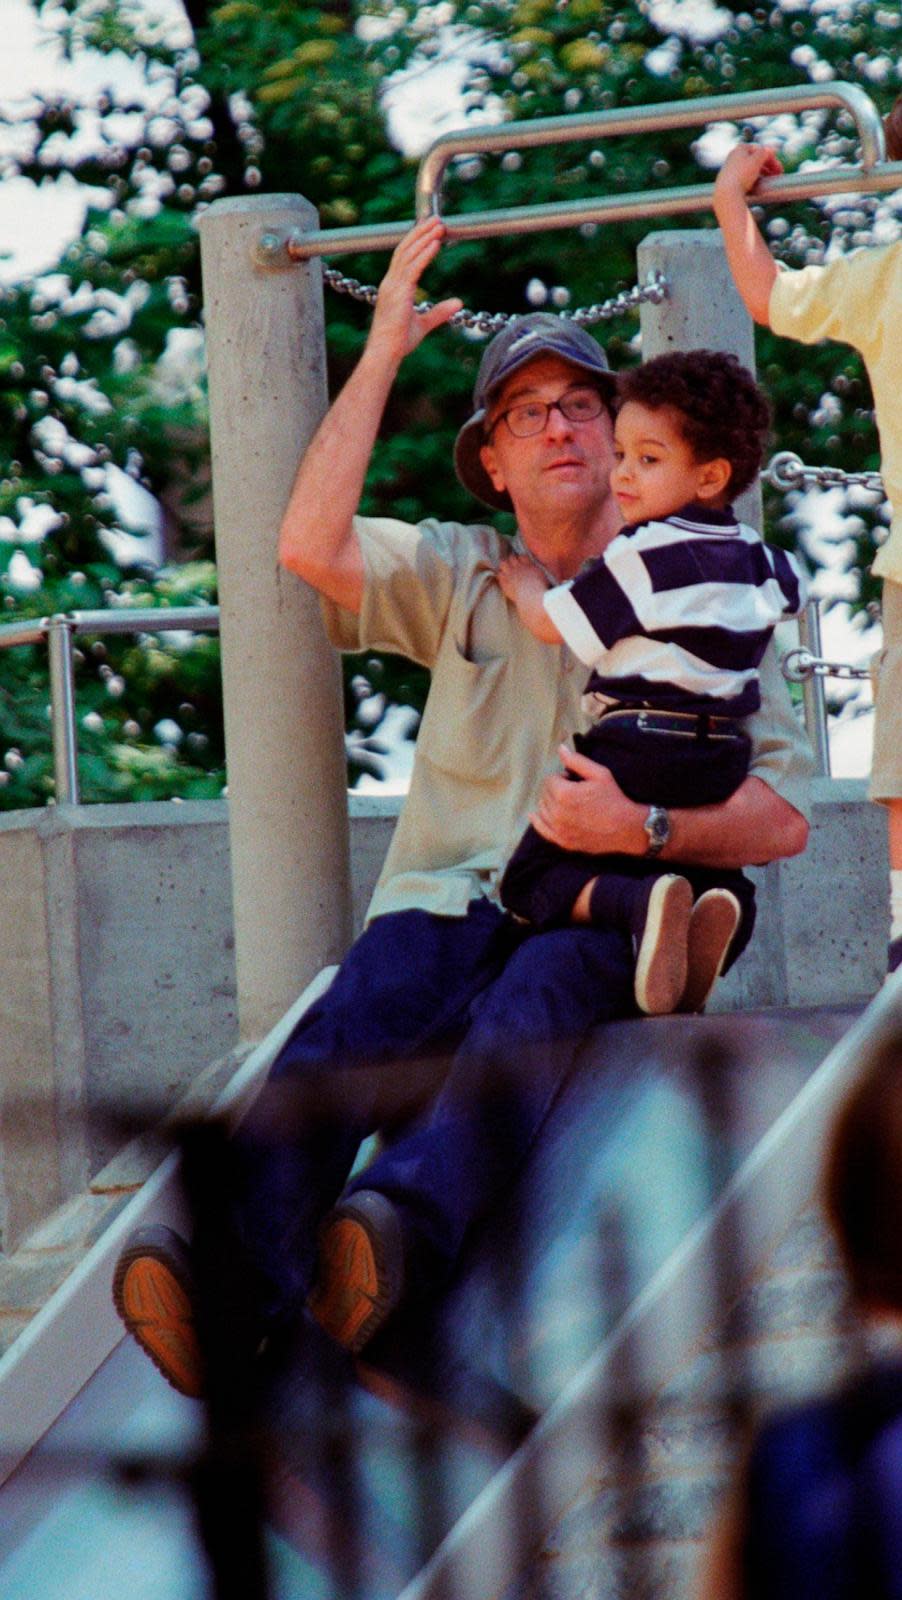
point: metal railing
(874, 174)
(804, 664)
(59, 631)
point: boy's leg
(541, 881)
(653, 910)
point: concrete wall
(117, 978)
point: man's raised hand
(396, 323)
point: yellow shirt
(858, 300)
(499, 704)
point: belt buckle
(642, 721)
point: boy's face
(655, 470)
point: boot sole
(152, 1294)
(360, 1273)
(712, 926)
(661, 963)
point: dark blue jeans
(461, 1029)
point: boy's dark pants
(657, 758)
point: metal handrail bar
(59, 631)
(120, 619)
(645, 119)
(875, 174)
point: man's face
(563, 469)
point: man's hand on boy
(594, 816)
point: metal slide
(671, 1130)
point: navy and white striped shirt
(678, 613)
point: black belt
(691, 724)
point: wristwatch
(657, 829)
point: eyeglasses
(582, 404)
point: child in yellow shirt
(858, 300)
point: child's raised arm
(750, 261)
(525, 586)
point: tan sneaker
(360, 1274)
(153, 1292)
(660, 933)
(712, 926)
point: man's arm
(753, 826)
(317, 540)
(750, 261)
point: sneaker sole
(661, 963)
(151, 1293)
(360, 1273)
(712, 926)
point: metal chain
(654, 290)
(785, 471)
(797, 665)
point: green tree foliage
(92, 395)
(286, 97)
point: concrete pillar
(281, 681)
(702, 310)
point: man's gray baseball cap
(541, 333)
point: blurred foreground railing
(360, 1471)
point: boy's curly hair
(722, 411)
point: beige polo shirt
(858, 300)
(499, 704)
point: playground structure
(289, 836)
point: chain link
(797, 665)
(785, 471)
(653, 290)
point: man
(440, 975)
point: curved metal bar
(645, 119)
(873, 175)
(299, 246)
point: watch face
(657, 826)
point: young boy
(858, 300)
(673, 618)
